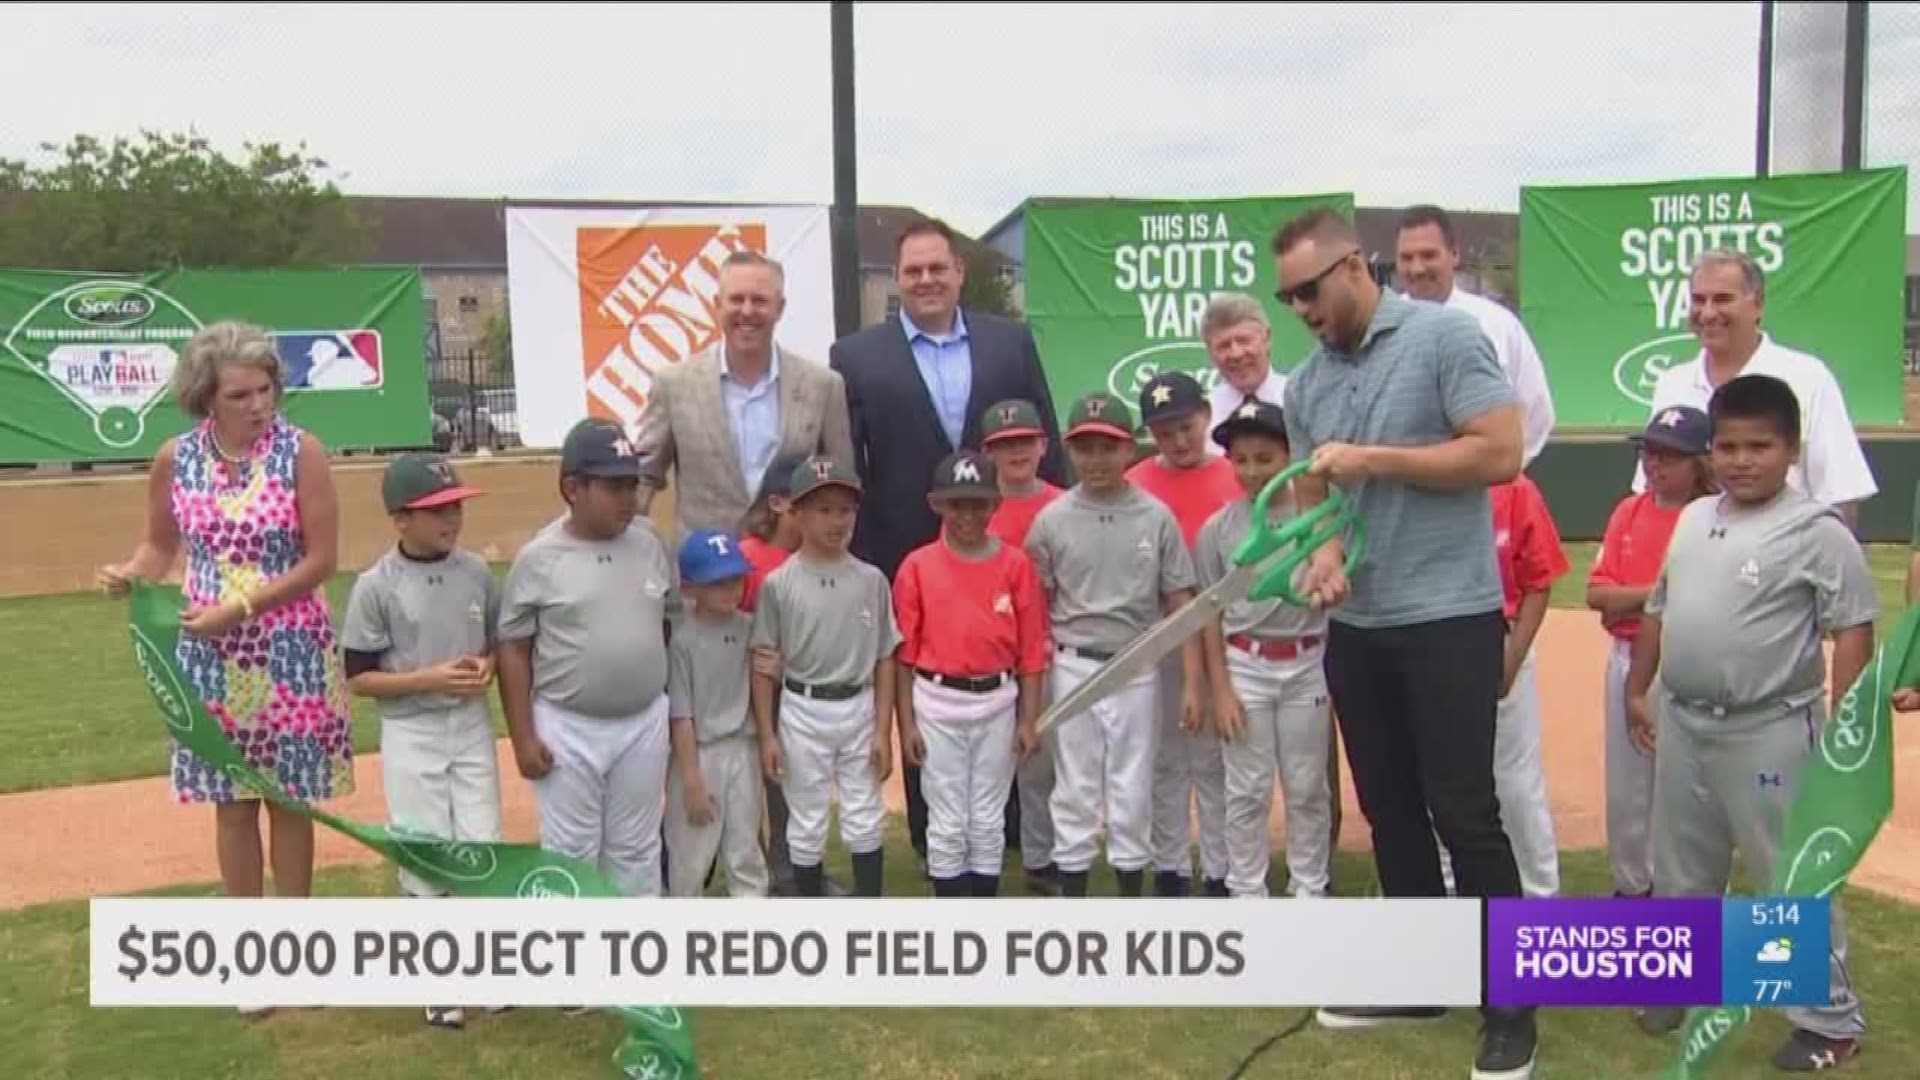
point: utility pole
(846, 199)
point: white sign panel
(601, 299)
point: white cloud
(964, 109)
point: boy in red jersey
(1194, 483)
(1673, 452)
(1010, 434)
(973, 654)
(768, 533)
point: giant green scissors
(1248, 580)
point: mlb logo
(331, 359)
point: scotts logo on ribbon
(657, 1043)
(110, 305)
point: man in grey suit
(917, 386)
(718, 419)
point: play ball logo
(1638, 370)
(548, 883)
(163, 683)
(1131, 373)
(109, 305)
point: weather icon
(1777, 951)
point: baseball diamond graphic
(112, 373)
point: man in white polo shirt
(1728, 297)
(1239, 341)
(1426, 254)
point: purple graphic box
(1604, 953)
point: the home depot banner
(602, 299)
(1604, 287)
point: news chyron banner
(602, 299)
(1605, 290)
(1116, 288)
(87, 360)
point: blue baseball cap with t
(709, 555)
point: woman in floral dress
(252, 500)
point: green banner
(658, 1044)
(1604, 289)
(1846, 793)
(86, 359)
(1115, 288)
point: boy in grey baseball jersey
(713, 795)
(583, 664)
(418, 639)
(1112, 562)
(1270, 691)
(1754, 578)
(829, 617)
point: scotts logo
(164, 684)
(665, 1019)
(548, 882)
(653, 1065)
(1130, 374)
(1847, 742)
(452, 860)
(1821, 862)
(1638, 370)
(1714, 1027)
(109, 305)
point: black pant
(916, 810)
(1417, 707)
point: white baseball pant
(730, 766)
(1187, 769)
(1103, 763)
(1629, 786)
(1520, 783)
(602, 801)
(1036, 813)
(967, 774)
(828, 745)
(442, 779)
(1289, 723)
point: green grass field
(50, 1032)
(77, 713)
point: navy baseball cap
(1261, 417)
(599, 448)
(709, 555)
(778, 479)
(1679, 428)
(1171, 395)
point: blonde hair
(216, 348)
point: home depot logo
(649, 296)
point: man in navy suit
(916, 386)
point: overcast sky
(964, 109)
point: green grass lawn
(76, 711)
(50, 1032)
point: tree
(987, 286)
(173, 200)
(496, 347)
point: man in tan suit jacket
(719, 419)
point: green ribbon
(658, 1044)
(1846, 793)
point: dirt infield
(112, 839)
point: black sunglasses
(1309, 290)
